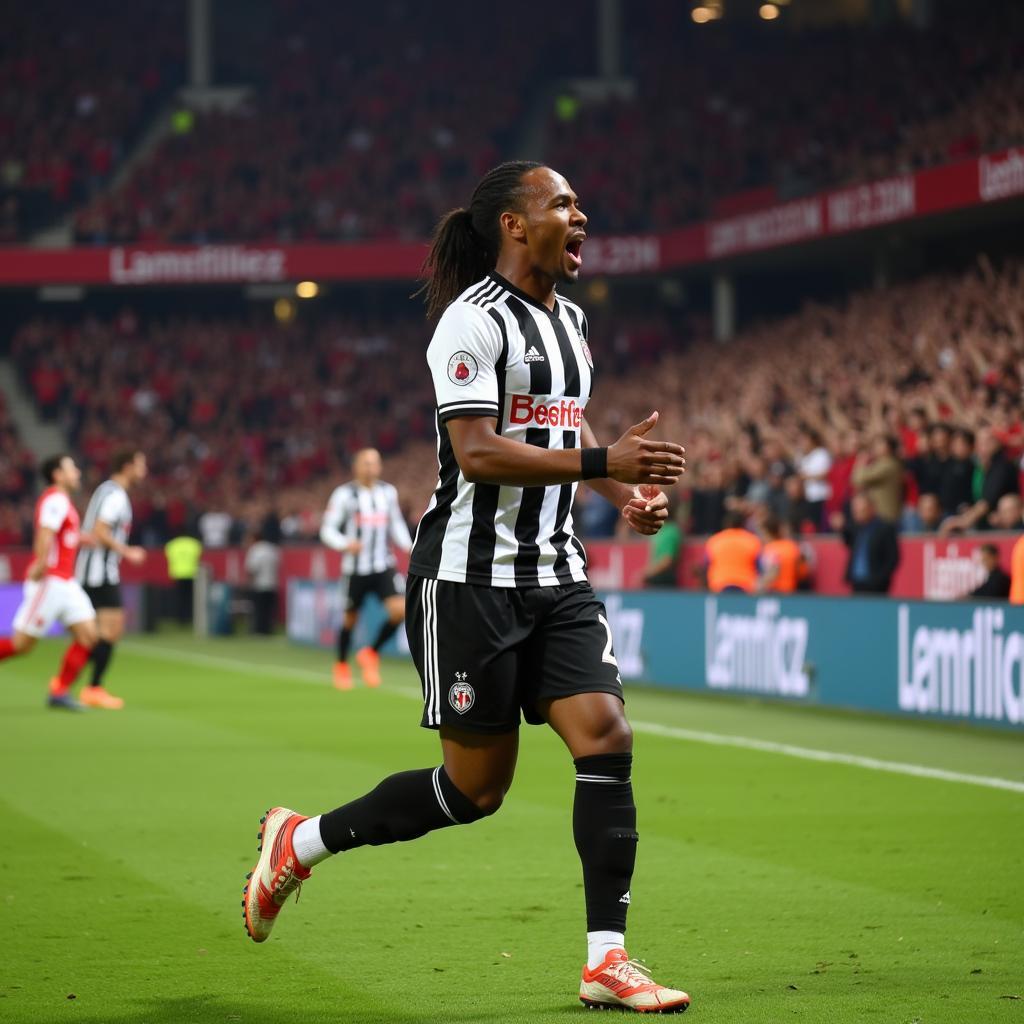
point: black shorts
(486, 653)
(356, 589)
(106, 595)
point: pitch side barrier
(931, 567)
(314, 615)
(952, 661)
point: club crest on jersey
(586, 348)
(461, 696)
(462, 369)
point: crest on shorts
(461, 696)
(462, 369)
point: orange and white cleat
(276, 876)
(623, 984)
(97, 697)
(342, 676)
(369, 664)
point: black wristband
(594, 463)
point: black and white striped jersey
(498, 352)
(97, 565)
(370, 515)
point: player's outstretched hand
(636, 459)
(135, 555)
(647, 510)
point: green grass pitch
(772, 888)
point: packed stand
(362, 130)
(241, 417)
(17, 482)
(911, 396)
(720, 112)
(77, 84)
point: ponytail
(458, 256)
(466, 243)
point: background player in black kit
(502, 620)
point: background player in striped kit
(52, 594)
(108, 521)
(502, 619)
(364, 521)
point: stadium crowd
(334, 143)
(809, 111)
(912, 395)
(77, 84)
(341, 166)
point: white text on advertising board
(629, 254)
(761, 653)
(778, 225)
(627, 626)
(876, 203)
(971, 673)
(1001, 176)
(209, 263)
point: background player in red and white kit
(52, 594)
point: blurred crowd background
(341, 124)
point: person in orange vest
(732, 556)
(782, 561)
(1017, 572)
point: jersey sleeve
(53, 510)
(112, 509)
(397, 527)
(463, 357)
(332, 526)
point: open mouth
(573, 247)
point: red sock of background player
(7, 648)
(74, 661)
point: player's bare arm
(484, 456)
(104, 536)
(41, 548)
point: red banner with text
(966, 183)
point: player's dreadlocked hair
(466, 242)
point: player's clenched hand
(647, 511)
(135, 555)
(636, 459)
(35, 571)
(354, 547)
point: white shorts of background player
(52, 599)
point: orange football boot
(97, 697)
(276, 876)
(623, 984)
(342, 676)
(369, 664)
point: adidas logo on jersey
(533, 356)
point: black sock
(604, 827)
(100, 658)
(344, 643)
(385, 633)
(404, 806)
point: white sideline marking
(833, 757)
(651, 728)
